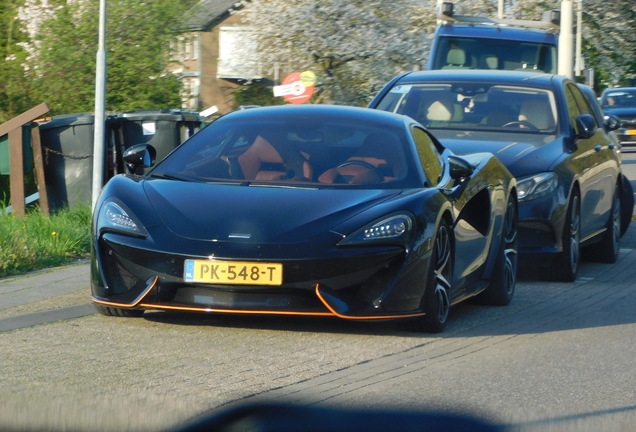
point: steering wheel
(362, 163)
(522, 124)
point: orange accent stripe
(363, 318)
(135, 303)
(233, 311)
(331, 312)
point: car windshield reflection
(474, 107)
(319, 153)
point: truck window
(488, 53)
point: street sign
(297, 87)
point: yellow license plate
(233, 272)
(630, 132)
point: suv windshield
(488, 53)
(475, 106)
(299, 152)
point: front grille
(119, 279)
(535, 234)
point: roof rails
(551, 19)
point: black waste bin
(164, 129)
(67, 153)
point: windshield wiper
(170, 177)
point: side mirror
(139, 156)
(612, 122)
(585, 126)
(459, 168)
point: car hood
(622, 113)
(521, 153)
(255, 214)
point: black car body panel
(589, 164)
(193, 209)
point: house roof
(207, 13)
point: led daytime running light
(118, 217)
(389, 228)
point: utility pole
(566, 40)
(439, 10)
(578, 64)
(500, 9)
(100, 107)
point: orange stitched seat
(376, 160)
(262, 161)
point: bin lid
(175, 115)
(65, 120)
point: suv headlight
(536, 186)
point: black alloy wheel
(566, 264)
(437, 297)
(606, 251)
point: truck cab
(486, 46)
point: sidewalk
(64, 282)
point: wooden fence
(13, 128)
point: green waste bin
(26, 151)
(164, 129)
(67, 154)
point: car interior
(484, 107)
(321, 154)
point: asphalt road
(561, 357)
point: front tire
(504, 277)
(436, 300)
(566, 264)
(118, 312)
(606, 251)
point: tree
(353, 46)
(62, 46)
(14, 88)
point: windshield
(487, 53)
(619, 99)
(305, 152)
(475, 106)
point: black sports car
(545, 131)
(307, 210)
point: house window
(195, 46)
(237, 49)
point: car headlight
(391, 229)
(114, 216)
(536, 186)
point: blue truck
(466, 42)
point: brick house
(209, 55)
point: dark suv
(621, 102)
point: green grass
(38, 241)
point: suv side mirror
(612, 122)
(139, 156)
(585, 126)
